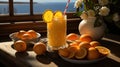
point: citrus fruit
(81, 53)
(71, 55)
(103, 50)
(63, 52)
(85, 45)
(94, 43)
(39, 48)
(72, 36)
(78, 41)
(58, 14)
(26, 37)
(20, 46)
(74, 44)
(32, 33)
(72, 50)
(20, 34)
(85, 38)
(93, 53)
(47, 16)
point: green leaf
(78, 13)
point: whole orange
(39, 48)
(20, 34)
(20, 46)
(72, 36)
(32, 33)
(26, 37)
(93, 53)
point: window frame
(37, 21)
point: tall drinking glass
(56, 33)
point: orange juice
(56, 32)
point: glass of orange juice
(56, 29)
(56, 33)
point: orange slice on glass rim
(58, 14)
(47, 16)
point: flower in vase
(108, 10)
(104, 11)
(91, 13)
(77, 3)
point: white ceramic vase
(87, 27)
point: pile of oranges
(21, 45)
(83, 47)
(26, 35)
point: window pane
(21, 6)
(54, 5)
(4, 7)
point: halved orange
(103, 50)
(47, 16)
(85, 45)
(95, 43)
(72, 50)
(81, 53)
(63, 52)
(71, 55)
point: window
(16, 11)
(31, 10)
(4, 7)
(42, 5)
(23, 6)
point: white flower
(78, 3)
(104, 11)
(103, 2)
(116, 17)
(84, 15)
(91, 13)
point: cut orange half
(47, 16)
(81, 53)
(58, 14)
(63, 52)
(71, 55)
(103, 50)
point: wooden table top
(10, 58)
